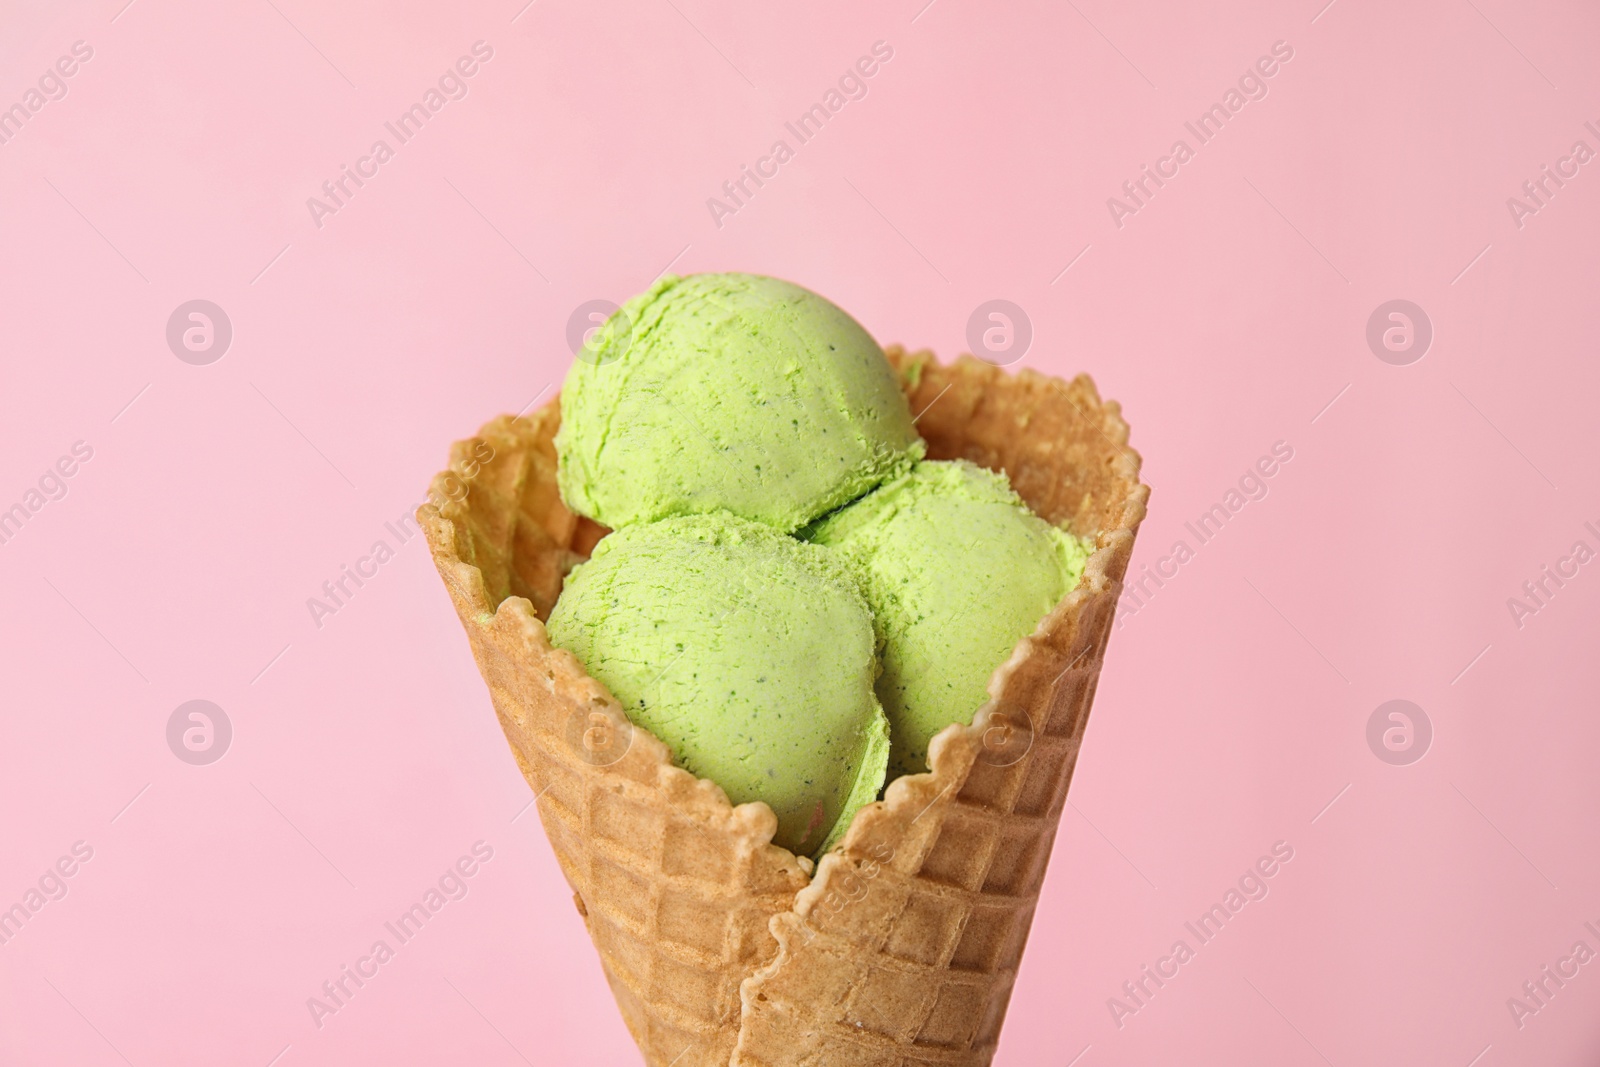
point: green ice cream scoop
(750, 654)
(729, 392)
(957, 570)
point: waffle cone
(721, 949)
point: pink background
(1226, 315)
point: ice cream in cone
(900, 944)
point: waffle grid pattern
(937, 953)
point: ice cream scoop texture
(749, 653)
(957, 570)
(729, 392)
